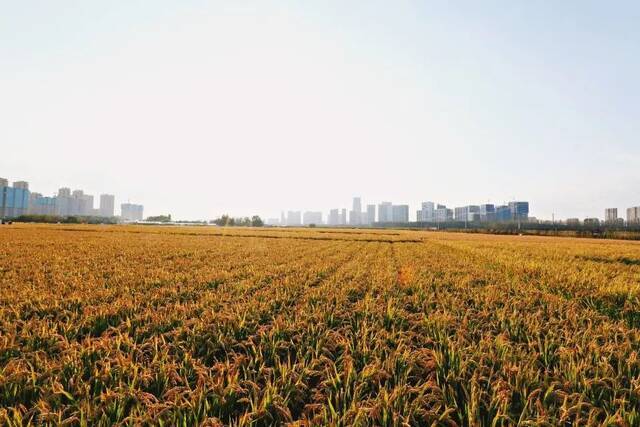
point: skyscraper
(355, 216)
(343, 217)
(107, 205)
(611, 215)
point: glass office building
(519, 210)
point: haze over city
(203, 108)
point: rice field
(130, 325)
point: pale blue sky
(199, 107)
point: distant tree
(227, 221)
(52, 219)
(159, 218)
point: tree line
(228, 221)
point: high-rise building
(33, 201)
(19, 200)
(473, 213)
(86, 205)
(364, 218)
(385, 212)
(487, 212)
(80, 204)
(14, 201)
(352, 218)
(40, 205)
(443, 214)
(283, 219)
(22, 185)
(4, 184)
(294, 218)
(130, 212)
(467, 213)
(309, 218)
(64, 202)
(107, 205)
(611, 215)
(428, 209)
(400, 213)
(633, 215)
(343, 217)
(503, 213)
(355, 216)
(519, 210)
(75, 205)
(334, 217)
(371, 214)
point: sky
(199, 108)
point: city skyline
(17, 199)
(243, 107)
(67, 202)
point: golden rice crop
(103, 325)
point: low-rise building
(573, 221)
(591, 222)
